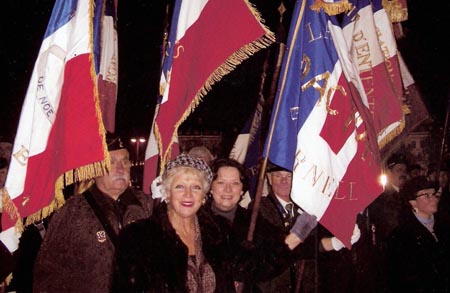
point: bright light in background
(141, 140)
(383, 180)
(136, 173)
(137, 141)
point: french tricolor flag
(321, 127)
(207, 40)
(372, 47)
(60, 137)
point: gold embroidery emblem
(101, 236)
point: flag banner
(388, 44)
(373, 49)
(106, 60)
(321, 127)
(249, 144)
(414, 108)
(207, 40)
(246, 148)
(60, 137)
(152, 161)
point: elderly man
(78, 250)
(303, 275)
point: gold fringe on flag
(226, 67)
(394, 133)
(83, 173)
(397, 131)
(332, 8)
(396, 9)
(9, 208)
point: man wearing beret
(385, 211)
(377, 222)
(78, 250)
(279, 210)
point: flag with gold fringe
(370, 44)
(60, 138)
(321, 127)
(207, 40)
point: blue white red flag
(60, 137)
(384, 86)
(207, 40)
(321, 128)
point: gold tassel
(226, 67)
(334, 8)
(396, 11)
(394, 133)
(9, 208)
(82, 173)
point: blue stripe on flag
(61, 14)
(97, 23)
(308, 37)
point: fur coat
(153, 258)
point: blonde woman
(179, 249)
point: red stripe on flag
(222, 28)
(74, 140)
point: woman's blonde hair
(172, 173)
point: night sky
(227, 106)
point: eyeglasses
(429, 195)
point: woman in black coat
(179, 248)
(184, 247)
(270, 252)
(418, 249)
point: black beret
(396, 159)
(273, 168)
(412, 186)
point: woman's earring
(204, 201)
(415, 210)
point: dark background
(226, 108)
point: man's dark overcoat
(76, 254)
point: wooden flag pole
(262, 170)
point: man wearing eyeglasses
(78, 250)
(418, 249)
(314, 272)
